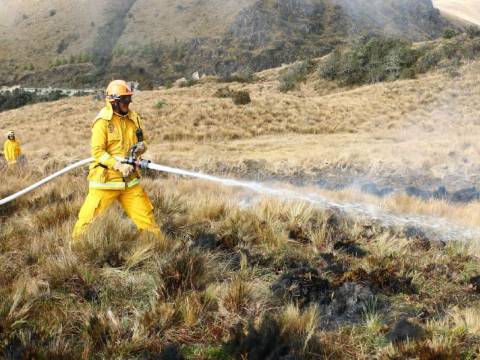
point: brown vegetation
(237, 275)
(247, 293)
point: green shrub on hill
(295, 74)
(19, 97)
(379, 59)
(385, 59)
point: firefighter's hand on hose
(124, 169)
(141, 148)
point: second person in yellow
(114, 132)
(11, 148)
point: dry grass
(464, 10)
(238, 275)
(120, 295)
(406, 130)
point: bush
(223, 93)
(329, 69)
(160, 104)
(242, 76)
(453, 68)
(449, 33)
(383, 59)
(19, 97)
(471, 50)
(295, 74)
(241, 97)
(188, 83)
(379, 59)
(62, 46)
(428, 61)
(473, 31)
(451, 50)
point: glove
(141, 148)
(124, 169)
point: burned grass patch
(385, 280)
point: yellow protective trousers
(134, 201)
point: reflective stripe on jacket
(112, 137)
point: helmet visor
(125, 99)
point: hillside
(59, 43)
(468, 10)
(239, 275)
(338, 129)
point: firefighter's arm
(99, 144)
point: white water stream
(433, 227)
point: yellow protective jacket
(112, 137)
(11, 149)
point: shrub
(453, 68)
(19, 97)
(383, 59)
(379, 59)
(238, 97)
(473, 31)
(449, 33)
(62, 46)
(223, 93)
(241, 98)
(428, 61)
(295, 74)
(329, 69)
(160, 104)
(451, 50)
(471, 49)
(188, 83)
(243, 76)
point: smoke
(431, 226)
(402, 18)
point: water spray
(433, 227)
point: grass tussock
(272, 279)
(237, 275)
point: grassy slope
(30, 35)
(31, 32)
(197, 19)
(468, 10)
(62, 301)
(403, 128)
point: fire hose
(141, 164)
(45, 180)
(437, 227)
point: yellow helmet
(116, 89)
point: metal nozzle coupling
(143, 164)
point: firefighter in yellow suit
(113, 134)
(11, 148)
